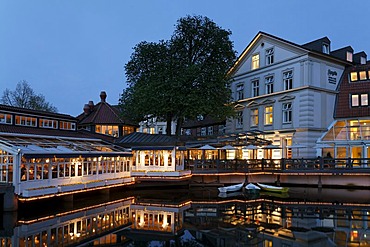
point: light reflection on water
(196, 217)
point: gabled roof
(305, 48)
(102, 113)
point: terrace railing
(279, 165)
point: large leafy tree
(181, 78)
(23, 96)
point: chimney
(91, 105)
(103, 96)
(86, 109)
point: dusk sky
(71, 50)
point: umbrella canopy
(250, 147)
(228, 147)
(207, 147)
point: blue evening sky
(71, 50)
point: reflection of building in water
(279, 223)
(71, 228)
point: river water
(199, 216)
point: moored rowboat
(273, 188)
(251, 186)
(231, 188)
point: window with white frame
(48, 123)
(25, 121)
(270, 56)
(363, 60)
(269, 82)
(67, 125)
(5, 118)
(203, 131)
(255, 61)
(254, 117)
(287, 112)
(255, 88)
(268, 115)
(210, 130)
(325, 48)
(360, 100)
(288, 80)
(240, 92)
(349, 56)
(239, 119)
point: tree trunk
(179, 123)
(168, 124)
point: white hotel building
(288, 92)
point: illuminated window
(5, 118)
(255, 88)
(270, 56)
(48, 123)
(268, 115)
(287, 113)
(239, 119)
(354, 76)
(25, 121)
(254, 117)
(349, 56)
(288, 80)
(67, 125)
(355, 100)
(363, 75)
(269, 81)
(255, 61)
(364, 99)
(111, 130)
(240, 92)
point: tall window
(325, 48)
(269, 81)
(268, 115)
(239, 119)
(349, 56)
(355, 100)
(255, 88)
(240, 92)
(364, 99)
(288, 80)
(254, 117)
(255, 61)
(270, 56)
(210, 130)
(287, 113)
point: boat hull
(231, 188)
(271, 188)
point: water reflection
(196, 217)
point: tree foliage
(23, 96)
(183, 77)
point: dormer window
(363, 60)
(325, 48)
(255, 61)
(349, 56)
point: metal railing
(280, 165)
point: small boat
(273, 188)
(252, 187)
(231, 188)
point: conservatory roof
(44, 146)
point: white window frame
(240, 91)
(239, 119)
(287, 112)
(269, 116)
(203, 131)
(349, 56)
(355, 100)
(270, 56)
(255, 87)
(364, 99)
(210, 130)
(6, 118)
(269, 82)
(254, 117)
(255, 64)
(288, 79)
(325, 48)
